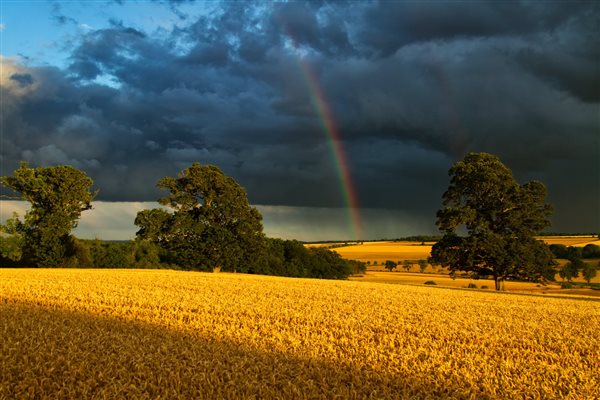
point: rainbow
(332, 133)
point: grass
(172, 334)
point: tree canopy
(58, 195)
(500, 218)
(211, 224)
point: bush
(566, 285)
(146, 255)
(111, 254)
(430, 283)
(472, 286)
(485, 287)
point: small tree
(390, 265)
(571, 269)
(588, 272)
(500, 217)
(422, 265)
(58, 195)
(407, 265)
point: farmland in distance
(406, 252)
(173, 334)
(380, 251)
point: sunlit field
(400, 251)
(167, 334)
(445, 280)
(578, 241)
(381, 251)
(376, 253)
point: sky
(340, 119)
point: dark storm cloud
(22, 79)
(391, 25)
(569, 60)
(412, 87)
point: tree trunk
(499, 283)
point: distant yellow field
(400, 251)
(382, 251)
(578, 241)
(125, 334)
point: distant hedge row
(572, 252)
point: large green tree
(489, 222)
(211, 223)
(58, 195)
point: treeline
(280, 258)
(420, 238)
(573, 252)
(92, 254)
(595, 234)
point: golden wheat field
(381, 251)
(152, 334)
(578, 241)
(400, 251)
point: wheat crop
(577, 241)
(382, 251)
(165, 334)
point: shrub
(485, 287)
(566, 285)
(472, 286)
(430, 283)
